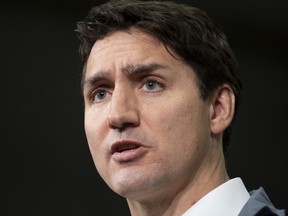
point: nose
(123, 111)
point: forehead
(112, 55)
(129, 47)
(123, 51)
(119, 38)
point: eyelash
(154, 81)
(97, 91)
(145, 81)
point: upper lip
(122, 145)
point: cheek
(172, 119)
(95, 139)
(93, 125)
(94, 135)
(182, 126)
(90, 128)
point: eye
(152, 85)
(99, 95)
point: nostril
(122, 127)
(124, 120)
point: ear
(222, 109)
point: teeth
(126, 147)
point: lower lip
(129, 155)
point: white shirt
(226, 200)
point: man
(161, 90)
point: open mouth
(122, 146)
(127, 151)
(126, 147)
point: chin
(137, 185)
(128, 184)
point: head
(154, 76)
(187, 31)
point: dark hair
(186, 30)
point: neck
(176, 201)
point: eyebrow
(128, 70)
(98, 76)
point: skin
(135, 92)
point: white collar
(226, 200)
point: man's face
(147, 127)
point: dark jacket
(260, 205)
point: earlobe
(222, 109)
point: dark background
(45, 164)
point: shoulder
(259, 204)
